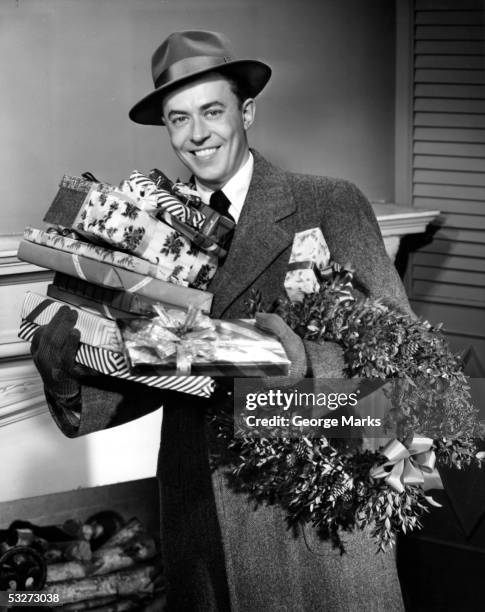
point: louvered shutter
(446, 278)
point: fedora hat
(184, 56)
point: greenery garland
(327, 483)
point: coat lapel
(258, 238)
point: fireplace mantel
(397, 221)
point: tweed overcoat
(221, 554)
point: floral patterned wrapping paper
(54, 239)
(309, 257)
(118, 222)
(203, 226)
(101, 212)
(106, 274)
(179, 203)
(164, 270)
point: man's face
(207, 128)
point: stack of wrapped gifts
(142, 255)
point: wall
(48, 462)
(71, 69)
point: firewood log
(70, 570)
(123, 584)
(105, 524)
(105, 604)
(132, 529)
(139, 548)
(77, 550)
(88, 604)
(126, 605)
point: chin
(210, 178)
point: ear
(248, 111)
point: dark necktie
(220, 203)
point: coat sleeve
(103, 402)
(353, 235)
(354, 238)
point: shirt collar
(235, 189)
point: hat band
(187, 66)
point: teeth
(205, 152)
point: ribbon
(409, 465)
(193, 336)
(189, 348)
(326, 274)
(200, 240)
(308, 265)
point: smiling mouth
(205, 153)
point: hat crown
(189, 55)
(181, 46)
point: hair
(238, 88)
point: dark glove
(53, 349)
(293, 344)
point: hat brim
(252, 74)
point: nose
(200, 130)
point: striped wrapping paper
(94, 329)
(114, 364)
(152, 198)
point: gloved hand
(292, 343)
(53, 349)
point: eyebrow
(204, 107)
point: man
(220, 554)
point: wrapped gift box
(202, 225)
(215, 226)
(120, 302)
(94, 329)
(107, 275)
(196, 237)
(99, 308)
(114, 364)
(141, 189)
(153, 198)
(308, 260)
(106, 214)
(53, 239)
(240, 349)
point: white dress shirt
(235, 189)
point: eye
(213, 113)
(178, 120)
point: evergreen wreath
(327, 483)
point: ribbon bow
(409, 465)
(185, 335)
